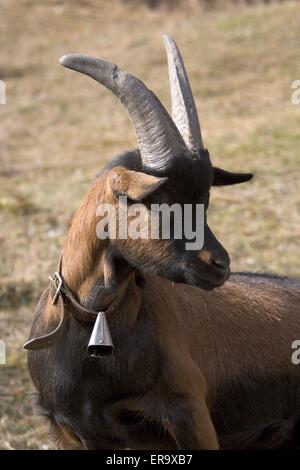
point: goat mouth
(207, 284)
(210, 285)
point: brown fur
(65, 439)
(190, 365)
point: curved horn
(159, 140)
(184, 110)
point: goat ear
(225, 178)
(134, 184)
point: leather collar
(62, 296)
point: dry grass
(59, 128)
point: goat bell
(100, 344)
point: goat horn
(184, 110)
(159, 140)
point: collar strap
(62, 295)
(78, 311)
(47, 340)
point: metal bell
(100, 344)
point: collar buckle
(57, 281)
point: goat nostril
(220, 264)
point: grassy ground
(58, 129)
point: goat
(199, 363)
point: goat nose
(220, 264)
